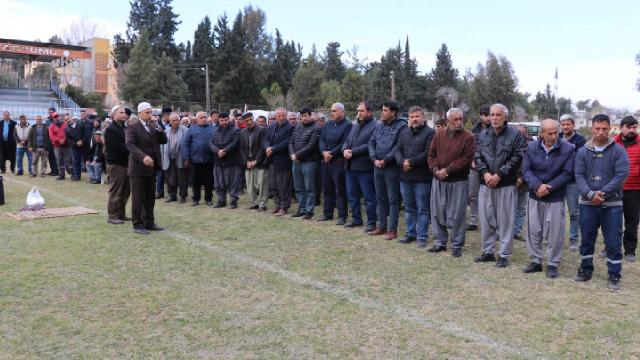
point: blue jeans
(609, 219)
(387, 183)
(20, 152)
(571, 197)
(77, 162)
(416, 197)
(361, 184)
(304, 184)
(95, 172)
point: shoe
(307, 217)
(533, 267)
(195, 203)
(502, 262)
(518, 237)
(352, 225)
(141, 231)
(233, 205)
(325, 218)
(472, 227)
(115, 221)
(456, 252)
(341, 222)
(32, 175)
(573, 247)
(159, 195)
(171, 200)
(391, 235)
(486, 257)
(552, 272)
(582, 276)
(19, 173)
(254, 207)
(125, 218)
(43, 175)
(629, 258)
(282, 212)
(297, 215)
(155, 227)
(603, 253)
(377, 231)
(51, 174)
(407, 239)
(421, 244)
(437, 249)
(182, 200)
(60, 178)
(369, 228)
(262, 208)
(275, 211)
(613, 284)
(219, 205)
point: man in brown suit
(143, 139)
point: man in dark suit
(143, 140)
(7, 142)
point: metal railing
(66, 100)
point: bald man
(547, 169)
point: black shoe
(341, 222)
(518, 237)
(325, 218)
(369, 228)
(456, 252)
(115, 221)
(159, 195)
(437, 249)
(352, 225)
(614, 283)
(262, 209)
(155, 227)
(421, 244)
(552, 272)
(254, 207)
(219, 204)
(502, 262)
(60, 178)
(195, 203)
(307, 217)
(171, 200)
(533, 267)
(297, 215)
(141, 231)
(407, 239)
(486, 257)
(472, 227)
(583, 276)
(233, 205)
(182, 200)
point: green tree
(169, 85)
(137, 82)
(274, 96)
(332, 64)
(352, 89)
(494, 82)
(306, 83)
(330, 93)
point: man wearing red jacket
(60, 146)
(630, 141)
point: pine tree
(137, 82)
(332, 64)
(169, 85)
(306, 83)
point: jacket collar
(591, 146)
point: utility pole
(393, 86)
(208, 94)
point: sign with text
(43, 51)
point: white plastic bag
(34, 198)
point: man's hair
(22, 117)
(391, 105)
(306, 110)
(415, 109)
(367, 105)
(442, 122)
(568, 117)
(504, 109)
(262, 116)
(339, 106)
(214, 112)
(484, 110)
(601, 118)
(52, 109)
(454, 111)
(224, 115)
(628, 121)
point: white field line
(338, 291)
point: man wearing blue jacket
(386, 172)
(547, 169)
(601, 169)
(196, 154)
(332, 138)
(359, 168)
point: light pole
(393, 86)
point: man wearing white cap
(116, 156)
(143, 140)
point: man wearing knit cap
(630, 141)
(143, 140)
(116, 157)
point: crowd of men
(504, 176)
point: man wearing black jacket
(334, 189)
(415, 177)
(255, 160)
(7, 142)
(116, 157)
(359, 168)
(303, 149)
(75, 138)
(225, 146)
(277, 150)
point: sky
(592, 43)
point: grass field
(239, 284)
